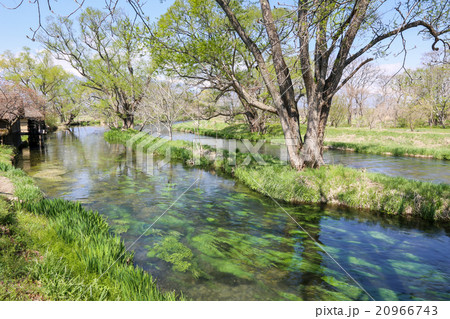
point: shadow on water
(222, 241)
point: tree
(338, 110)
(15, 97)
(75, 99)
(39, 73)
(209, 104)
(433, 83)
(358, 88)
(411, 106)
(341, 32)
(163, 104)
(194, 40)
(108, 52)
(46, 4)
(386, 102)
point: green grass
(6, 154)
(332, 184)
(425, 142)
(400, 142)
(57, 250)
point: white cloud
(390, 68)
(66, 66)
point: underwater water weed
(172, 250)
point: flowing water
(214, 239)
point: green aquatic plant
(172, 250)
(239, 254)
(351, 292)
(387, 294)
(120, 226)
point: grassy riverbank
(57, 250)
(433, 143)
(331, 184)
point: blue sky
(15, 26)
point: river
(212, 238)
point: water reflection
(222, 241)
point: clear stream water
(222, 241)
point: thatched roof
(10, 114)
(19, 102)
(32, 113)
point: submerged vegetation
(171, 250)
(332, 184)
(425, 142)
(57, 250)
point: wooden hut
(10, 126)
(35, 125)
(20, 114)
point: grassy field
(57, 250)
(424, 142)
(332, 184)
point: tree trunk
(411, 126)
(312, 151)
(293, 140)
(255, 123)
(283, 96)
(349, 116)
(128, 121)
(70, 119)
(442, 116)
(62, 118)
(254, 120)
(170, 132)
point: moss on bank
(332, 184)
(57, 250)
(423, 143)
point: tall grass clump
(24, 187)
(36, 265)
(6, 155)
(98, 250)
